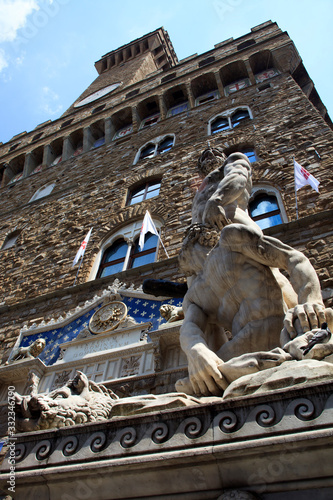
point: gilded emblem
(108, 317)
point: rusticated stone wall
(91, 189)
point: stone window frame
(228, 114)
(145, 184)
(156, 141)
(47, 188)
(129, 233)
(150, 120)
(209, 96)
(264, 189)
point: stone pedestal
(269, 446)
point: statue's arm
(205, 377)
(273, 253)
(302, 275)
(229, 189)
(309, 313)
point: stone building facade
(130, 143)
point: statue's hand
(205, 377)
(303, 318)
(214, 215)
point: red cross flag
(303, 177)
(82, 248)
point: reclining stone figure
(82, 400)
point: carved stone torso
(205, 191)
(240, 290)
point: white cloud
(3, 62)
(13, 16)
(19, 60)
(49, 102)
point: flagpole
(81, 251)
(295, 189)
(296, 203)
(78, 269)
(159, 237)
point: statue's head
(210, 159)
(37, 347)
(240, 160)
(165, 311)
(79, 382)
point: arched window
(219, 124)
(121, 251)
(157, 146)
(165, 145)
(237, 117)
(250, 153)
(42, 192)
(265, 211)
(147, 152)
(228, 120)
(143, 192)
(247, 151)
(122, 255)
(113, 259)
(147, 255)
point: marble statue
(235, 284)
(81, 401)
(30, 352)
(247, 328)
(171, 313)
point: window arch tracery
(121, 251)
(266, 207)
(155, 147)
(229, 119)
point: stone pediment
(142, 309)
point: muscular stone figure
(235, 288)
(223, 197)
(237, 285)
(224, 193)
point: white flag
(148, 226)
(303, 177)
(82, 248)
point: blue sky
(48, 47)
